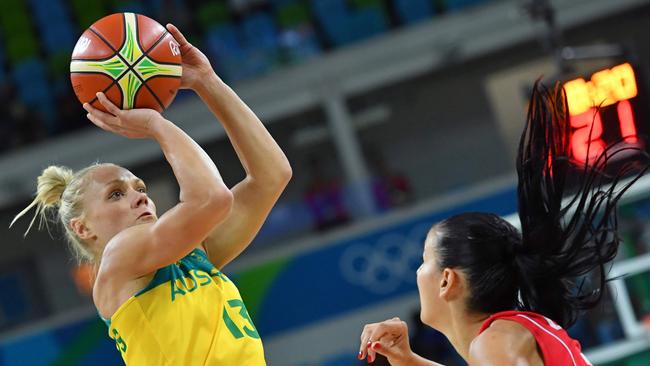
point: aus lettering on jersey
(196, 279)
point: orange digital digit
(585, 140)
(601, 88)
(625, 82)
(626, 120)
(577, 96)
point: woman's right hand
(131, 123)
(389, 338)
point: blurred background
(394, 115)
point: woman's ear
(80, 228)
(450, 284)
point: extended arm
(267, 168)
(267, 172)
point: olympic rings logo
(381, 267)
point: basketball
(133, 59)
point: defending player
(503, 297)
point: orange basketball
(133, 59)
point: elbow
(223, 199)
(219, 203)
(272, 180)
(280, 179)
(285, 173)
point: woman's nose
(140, 199)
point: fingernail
(360, 355)
(369, 343)
(370, 358)
(376, 346)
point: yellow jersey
(190, 314)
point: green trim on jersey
(197, 259)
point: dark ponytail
(561, 239)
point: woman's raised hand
(389, 338)
(195, 64)
(131, 123)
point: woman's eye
(116, 194)
(142, 190)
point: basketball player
(503, 297)
(158, 283)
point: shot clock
(605, 107)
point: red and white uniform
(558, 349)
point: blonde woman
(158, 283)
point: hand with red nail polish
(390, 339)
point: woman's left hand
(196, 66)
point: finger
(377, 334)
(110, 107)
(97, 122)
(107, 127)
(105, 117)
(364, 341)
(178, 36)
(366, 330)
(365, 349)
(384, 347)
(372, 356)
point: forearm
(260, 155)
(197, 176)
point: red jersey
(557, 348)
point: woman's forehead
(432, 238)
(106, 174)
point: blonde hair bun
(51, 185)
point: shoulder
(505, 343)
(119, 260)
